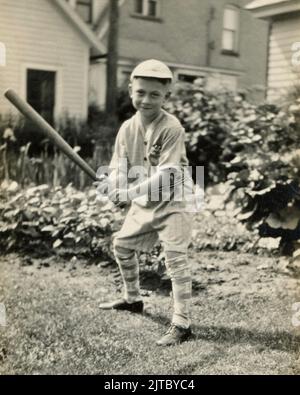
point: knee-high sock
(179, 270)
(129, 269)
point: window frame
(145, 10)
(58, 83)
(85, 4)
(236, 43)
(184, 76)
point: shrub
(60, 219)
(253, 150)
(222, 125)
(26, 156)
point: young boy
(152, 139)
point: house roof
(81, 26)
(270, 8)
(263, 3)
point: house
(45, 47)
(284, 43)
(216, 40)
(53, 52)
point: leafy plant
(61, 220)
(252, 150)
(27, 157)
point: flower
(9, 134)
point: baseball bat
(49, 131)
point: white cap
(152, 69)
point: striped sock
(129, 269)
(180, 272)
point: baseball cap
(152, 69)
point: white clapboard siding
(282, 64)
(37, 34)
(288, 77)
(282, 73)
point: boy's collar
(153, 123)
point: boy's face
(148, 96)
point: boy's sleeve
(119, 150)
(118, 164)
(173, 149)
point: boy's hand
(102, 185)
(119, 197)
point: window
(231, 21)
(139, 7)
(146, 8)
(41, 92)
(85, 10)
(187, 78)
(152, 8)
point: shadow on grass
(152, 281)
(280, 340)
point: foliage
(28, 157)
(125, 107)
(252, 150)
(62, 220)
(263, 177)
(223, 129)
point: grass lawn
(242, 320)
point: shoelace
(171, 329)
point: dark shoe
(121, 304)
(175, 335)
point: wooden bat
(49, 131)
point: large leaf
(285, 219)
(49, 228)
(57, 243)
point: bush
(60, 220)
(125, 107)
(26, 156)
(221, 126)
(63, 221)
(252, 150)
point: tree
(112, 59)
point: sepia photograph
(150, 190)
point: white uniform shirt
(161, 145)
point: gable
(38, 36)
(271, 8)
(94, 42)
(264, 3)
